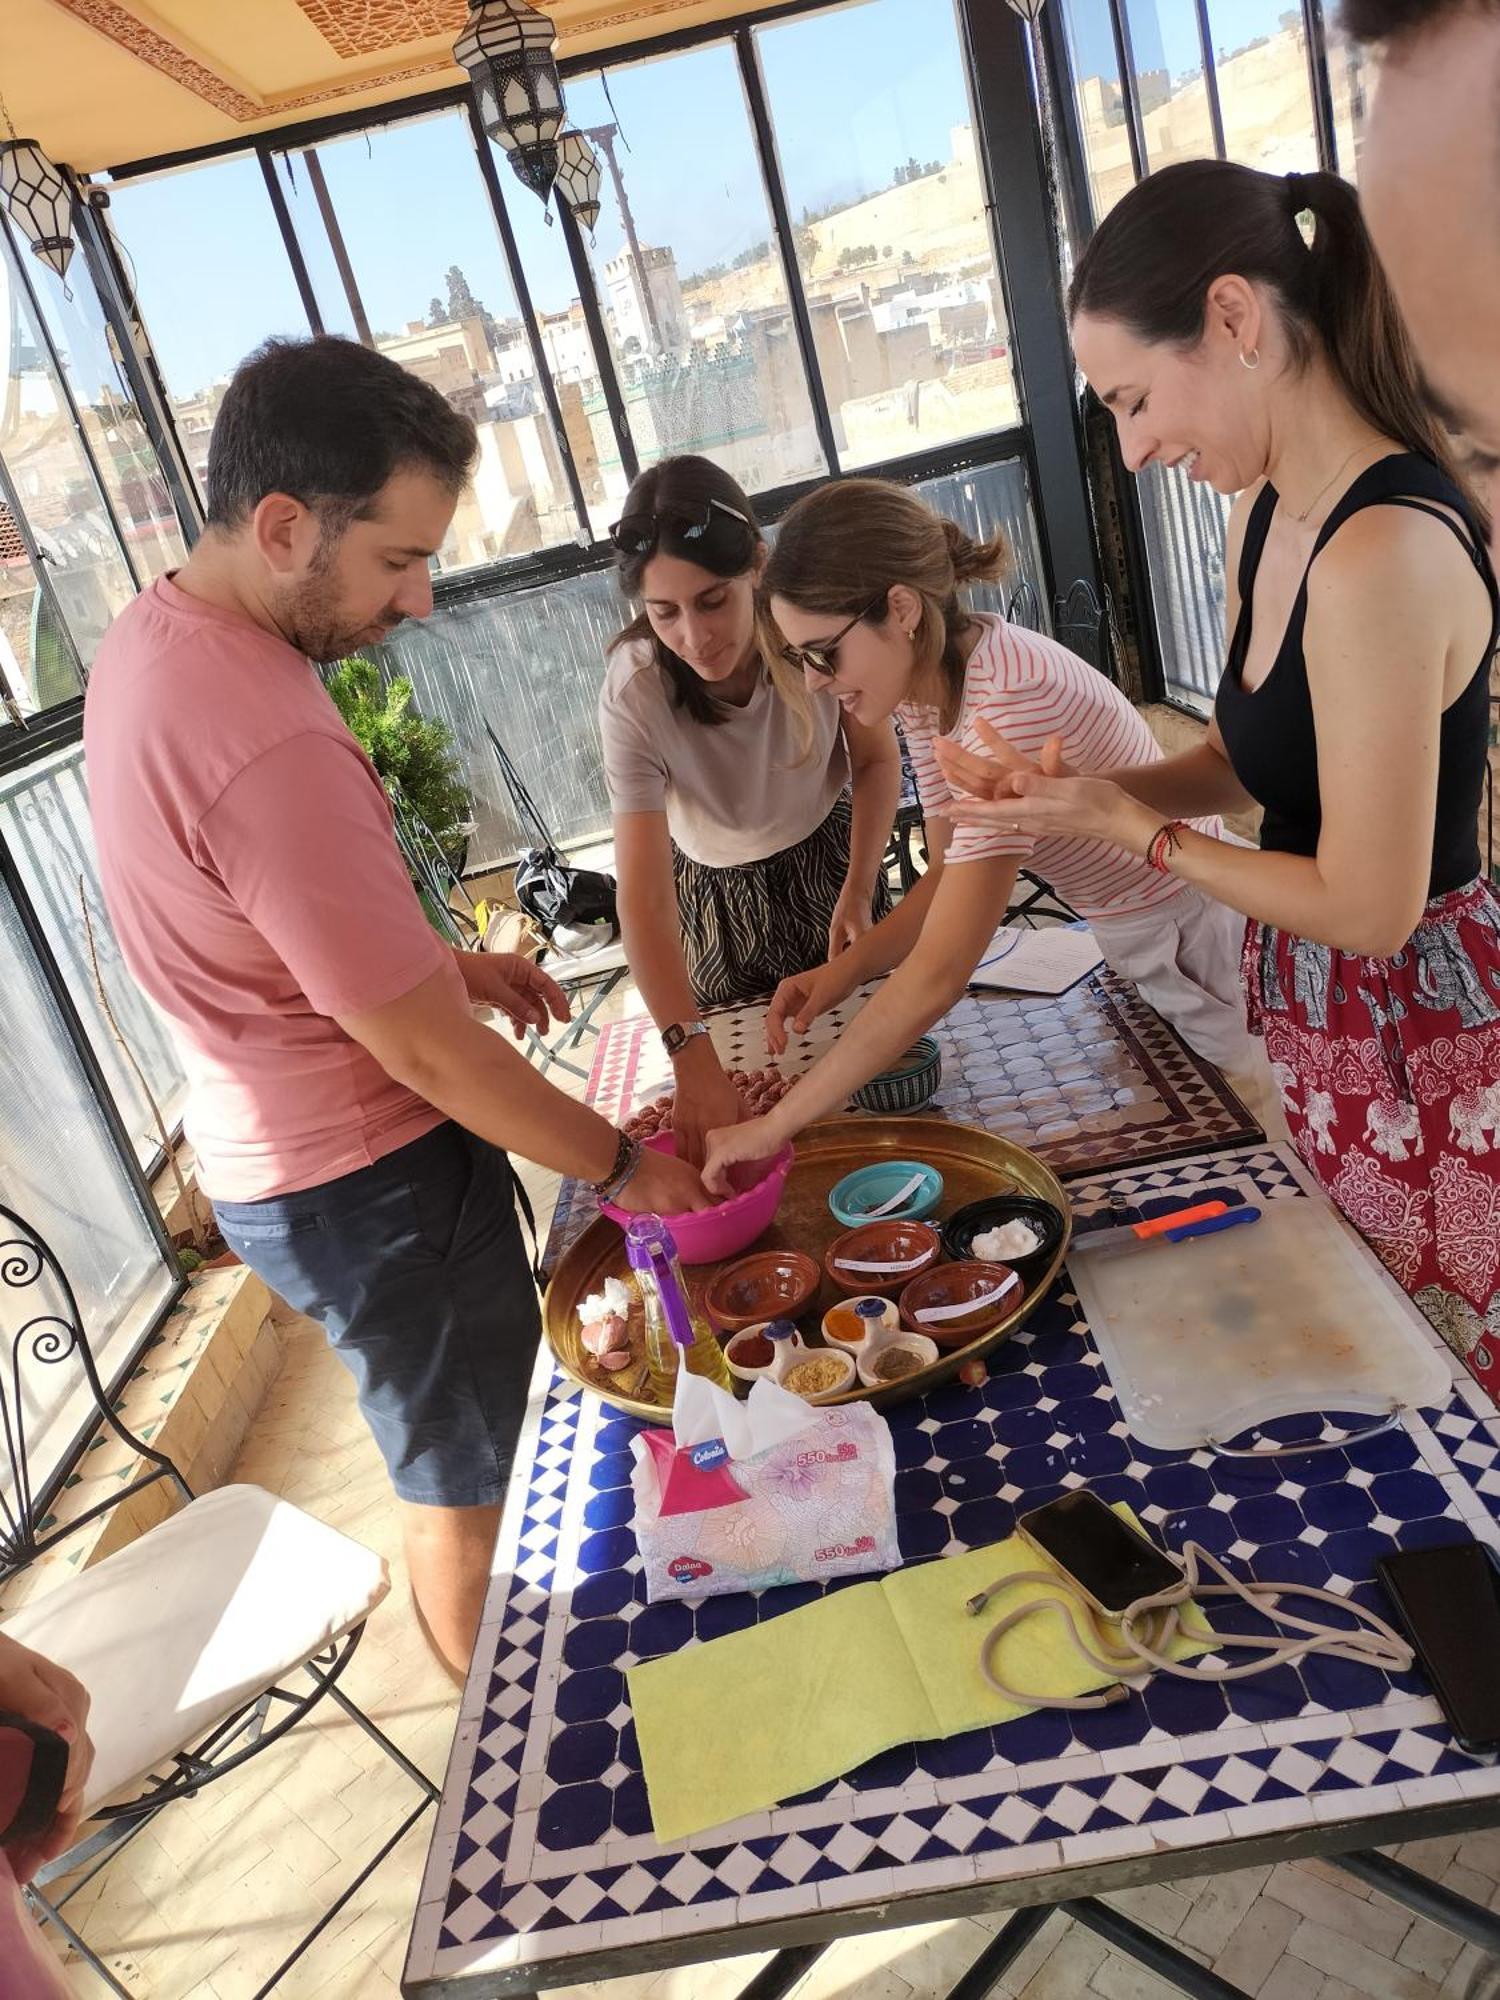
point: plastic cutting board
(1207, 1338)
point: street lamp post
(604, 136)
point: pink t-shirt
(252, 876)
(1029, 688)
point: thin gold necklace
(1299, 518)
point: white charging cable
(1369, 1641)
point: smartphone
(1113, 1564)
(1448, 1599)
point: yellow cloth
(741, 1722)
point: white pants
(1184, 957)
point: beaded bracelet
(1164, 844)
(620, 1175)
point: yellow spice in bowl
(815, 1377)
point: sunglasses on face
(823, 659)
(638, 534)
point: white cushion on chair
(199, 1616)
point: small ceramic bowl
(922, 1350)
(858, 1331)
(881, 1257)
(908, 1085)
(994, 1212)
(771, 1284)
(746, 1371)
(859, 1194)
(797, 1357)
(983, 1293)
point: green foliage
(415, 757)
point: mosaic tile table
(544, 1870)
(1094, 1078)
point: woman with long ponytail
(865, 589)
(1239, 326)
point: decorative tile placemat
(1092, 1079)
(543, 1850)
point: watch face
(674, 1038)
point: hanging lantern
(1027, 9)
(578, 178)
(506, 47)
(38, 201)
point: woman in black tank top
(1239, 327)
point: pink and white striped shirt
(1029, 688)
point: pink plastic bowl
(724, 1231)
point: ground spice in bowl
(752, 1351)
(895, 1363)
(816, 1376)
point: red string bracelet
(1164, 844)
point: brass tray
(973, 1164)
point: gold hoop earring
(1250, 360)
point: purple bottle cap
(647, 1238)
(871, 1308)
(780, 1329)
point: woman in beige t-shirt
(743, 852)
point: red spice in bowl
(751, 1350)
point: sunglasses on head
(821, 659)
(638, 534)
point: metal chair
(1085, 624)
(184, 1637)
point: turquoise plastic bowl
(910, 1086)
(863, 1191)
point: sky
(213, 275)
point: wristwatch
(677, 1037)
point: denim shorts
(417, 1270)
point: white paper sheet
(1021, 960)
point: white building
(625, 289)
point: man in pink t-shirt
(349, 1113)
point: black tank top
(1269, 732)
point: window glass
(1185, 526)
(59, 1170)
(1265, 89)
(690, 282)
(48, 480)
(1089, 26)
(1351, 81)
(202, 248)
(550, 278)
(891, 232)
(403, 254)
(1169, 82)
(44, 822)
(117, 436)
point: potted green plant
(415, 756)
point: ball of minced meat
(759, 1091)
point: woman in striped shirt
(863, 583)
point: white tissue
(702, 1410)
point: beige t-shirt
(732, 792)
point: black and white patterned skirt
(746, 929)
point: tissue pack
(818, 1491)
